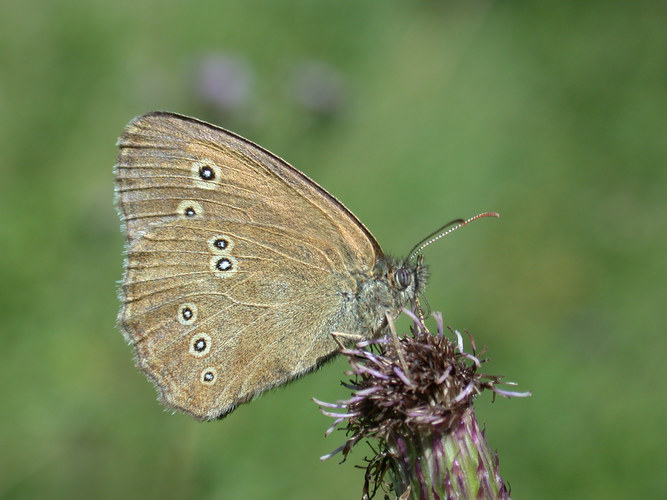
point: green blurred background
(413, 114)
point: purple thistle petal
(328, 405)
(333, 426)
(459, 341)
(364, 369)
(338, 415)
(464, 393)
(412, 315)
(512, 394)
(439, 322)
(399, 373)
(329, 455)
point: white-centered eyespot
(206, 174)
(223, 266)
(200, 345)
(220, 244)
(189, 209)
(187, 314)
(209, 376)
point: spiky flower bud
(413, 396)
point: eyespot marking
(187, 314)
(200, 345)
(206, 173)
(188, 209)
(223, 266)
(220, 244)
(209, 376)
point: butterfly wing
(238, 266)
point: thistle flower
(413, 396)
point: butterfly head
(408, 278)
(398, 282)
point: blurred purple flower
(224, 82)
(318, 87)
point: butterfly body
(239, 268)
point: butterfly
(239, 267)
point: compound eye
(403, 277)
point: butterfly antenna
(444, 231)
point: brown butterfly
(239, 267)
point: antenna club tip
(479, 216)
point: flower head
(414, 394)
